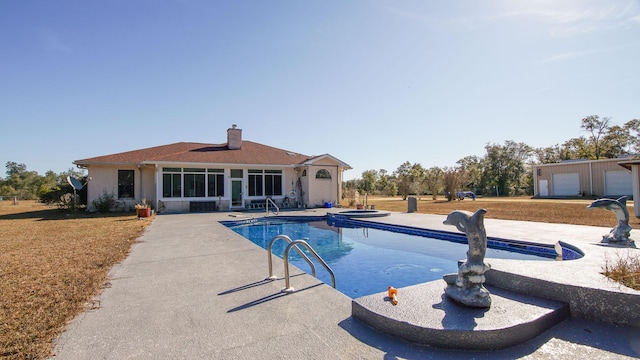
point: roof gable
(319, 158)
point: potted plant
(143, 209)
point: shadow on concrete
(592, 336)
(458, 316)
(254, 284)
(245, 287)
(619, 339)
(396, 348)
(268, 298)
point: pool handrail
(288, 240)
(269, 200)
(288, 288)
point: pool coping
(425, 316)
(548, 251)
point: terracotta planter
(143, 212)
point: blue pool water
(368, 260)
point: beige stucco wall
(101, 180)
(591, 174)
(323, 190)
(148, 185)
(104, 179)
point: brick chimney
(234, 138)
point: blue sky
(373, 83)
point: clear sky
(373, 83)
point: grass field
(516, 208)
(52, 263)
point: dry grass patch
(625, 270)
(51, 265)
(522, 209)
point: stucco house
(235, 175)
(599, 178)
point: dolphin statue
(622, 231)
(466, 286)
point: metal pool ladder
(294, 244)
(289, 241)
(269, 200)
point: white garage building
(601, 178)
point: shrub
(104, 203)
(69, 202)
(61, 196)
(51, 196)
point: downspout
(339, 186)
(141, 187)
(338, 180)
(155, 186)
(636, 189)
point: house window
(171, 182)
(265, 182)
(194, 182)
(197, 182)
(125, 184)
(255, 183)
(273, 182)
(215, 182)
(323, 174)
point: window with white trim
(192, 182)
(171, 182)
(125, 184)
(323, 174)
(215, 182)
(265, 182)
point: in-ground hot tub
(363, 213)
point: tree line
(505, 169)
(51, 188)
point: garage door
(566, 184)
(617, 183)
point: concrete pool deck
(192, 288)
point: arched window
(323, 174)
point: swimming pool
(366, 259)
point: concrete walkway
(192, 288)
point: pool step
(424, 315)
